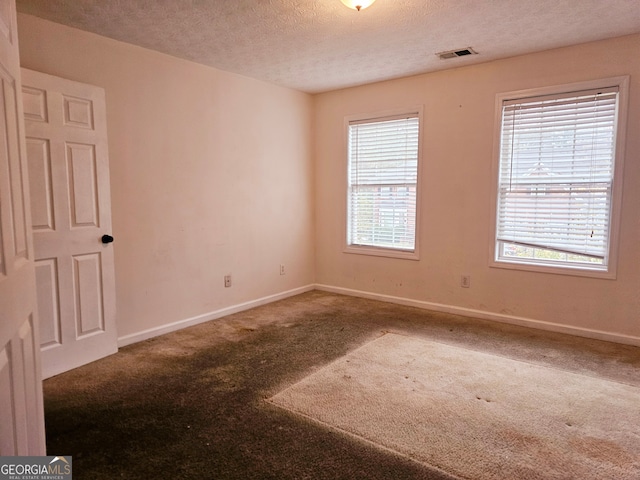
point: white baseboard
(188, 322)
(498, 317)
(437, 307)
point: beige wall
(211, 174)
(456, 208)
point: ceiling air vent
(456, 53)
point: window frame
(380, 251)
(609, 271)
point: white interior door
(66, 136)
(21, 411)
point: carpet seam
(327, 365)
(367, 441)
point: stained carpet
(476, 415)
(191, 404)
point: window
(558, 195)
(383, 157)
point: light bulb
(357, 4)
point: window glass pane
(383, 174)
(557, 157)
(520, 252)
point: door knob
(107, 239)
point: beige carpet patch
(475, 415)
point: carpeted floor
(475, 415)
(192, 404)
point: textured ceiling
(321, 45)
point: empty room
(286, 239)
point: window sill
(382, 252)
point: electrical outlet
(227, 281)
(281, 269)
(465, 281)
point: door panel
(48, 295)
(69, 177)
(13, 167)
(7, 428)
(82, 181)
(40, 184)
(35, 104)
(88, 291)
(78, 112)
(22, 423)
(21, 395)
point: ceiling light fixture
(357, 4)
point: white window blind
(557, 157)
(382, 179)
